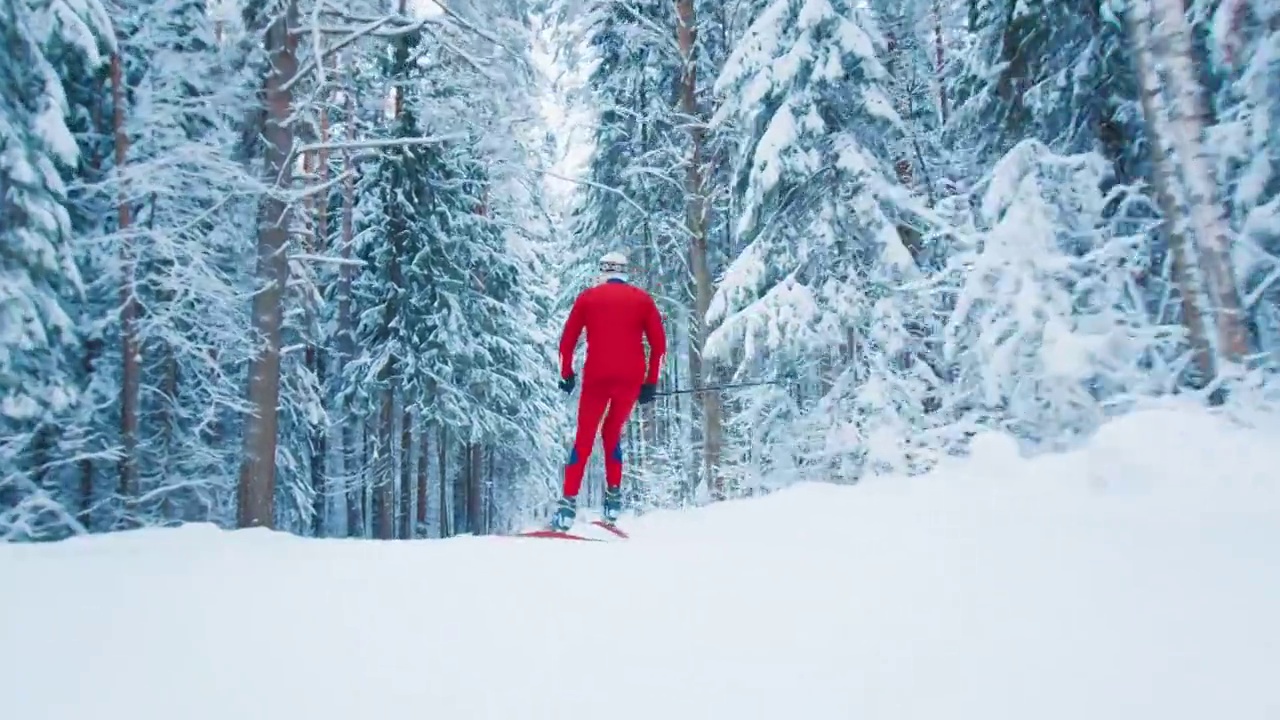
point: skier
(615, 315)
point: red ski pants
(611, 402)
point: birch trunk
(1188, 118)
(1165, 181)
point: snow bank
(1139, 578)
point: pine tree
(40, 277)
(819, 209)
(1057, 72)
(1044, 330)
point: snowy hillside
(1120, 582)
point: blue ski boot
(612, 504)
(565, 514)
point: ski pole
(712, 388)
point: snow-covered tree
(820, 209)
(1246, 139)
(1048, 329)
(40, 278)
(172, 283)
(1058, 72)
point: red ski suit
(616, 316)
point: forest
(303, 264)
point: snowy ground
(1140, 579)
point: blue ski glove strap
(566, 384)
(648, 392)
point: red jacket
(616, 315)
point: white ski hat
(613, 266)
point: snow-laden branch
(321, 188)
(327, 259)
(465, 25)
(379, 143)
(369, 29)
(668, 37)
(317, 44)
(654, 173)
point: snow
(1136, 578)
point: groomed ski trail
(1137, 579)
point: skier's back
(617, 318)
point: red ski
(556, 534)
(611, 528)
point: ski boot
(565, 514)
(612, 504)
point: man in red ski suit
(616, 317)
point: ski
(611, 528)
(556, 534)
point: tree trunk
(442, 448)
(256, 489)
(1164, 179)
(696, 211)
(939, 61)
(490, 503)
(384, 467)
(406, 473)
(92, 350)
(316, 356)
(1188, 113)
(460, 484)
(173, 506)
(131, 361)
(424, 467)
(347, 437)
(475, 489)
(647, 412)
(369, 466)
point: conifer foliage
(272, 264)
(939, 216)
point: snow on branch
(465, 25)
(372, 28)
(327, 259)
(380, 143)
(664, 35)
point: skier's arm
(569, 338)
(657, 338)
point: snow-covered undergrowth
(1138, 578)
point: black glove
(648, 392)
(566, 384)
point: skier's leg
(622, 400)
(591, 405)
